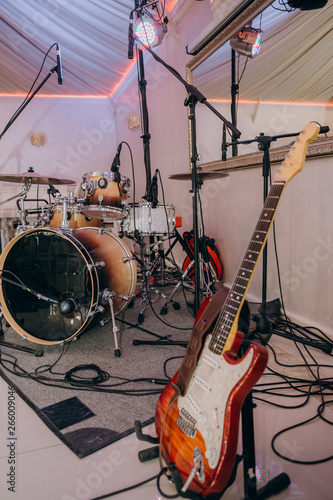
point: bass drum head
(78, 265)
(53, 264)
(118, 270)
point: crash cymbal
(202, 175)
(33, 178)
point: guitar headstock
(295, 159)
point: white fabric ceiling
(92, 35)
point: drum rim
(97, 173)
(104, 208)
(149, 204)
(94, 284)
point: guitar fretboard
(235, 297)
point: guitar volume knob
(208, 434)
(211, 454)
(202, 418)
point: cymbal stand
(205, 271)
(147, 270)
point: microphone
(153, 189)
(324, 129)
(67, 306)
(116, 160)
(130, 37)
(52, 190)
(39, 295)
(224, 143)
(59, 66)
(154, 179)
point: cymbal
(33, 178)
(202, 175)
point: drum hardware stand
(25, 212)
(194, 95)
(207, 277)
(109, 296)
(146, 288)
(22, 195)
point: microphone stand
(264, 143)
(23, 106)
(194, 95)
(9, 124)
(145, 119)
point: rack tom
(105, 195)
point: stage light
(149, 30)
(247, 41)
(307, 4)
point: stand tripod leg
(115, 329)
(164, 309)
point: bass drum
(60, 266)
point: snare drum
(79, 265)
(104, 196)
(148, 220)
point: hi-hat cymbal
(202, 175)
(33, 178)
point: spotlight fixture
(247, 41)
(307, 4)
(149, 30)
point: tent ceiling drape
(294, 64)
(92, 35)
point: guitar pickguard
(204, 406)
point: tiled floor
(46, 469)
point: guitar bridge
(187, 423)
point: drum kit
(67, 271)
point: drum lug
(97, 265)
(126, 259)
(128, 297)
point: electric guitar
(197, 415)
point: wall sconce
(37, 138)
(133, 121)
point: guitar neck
(236, 295)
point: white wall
(232, 205)
(80, 138)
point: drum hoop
(69, 206)
(110, 175)
(94, 285)
(147, 204)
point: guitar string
(227, 316)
